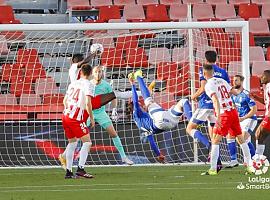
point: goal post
(35, 76)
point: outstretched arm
(86, 60)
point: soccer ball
(96, 48)
(260, 164)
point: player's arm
(65, 101)
(86, 60)
(89, 110)
(253, 109)
(195, 96)
(216, 105)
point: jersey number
(223, 92)
(75, 94)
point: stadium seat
(164, 99)
(136, 57)
(16, 72)
(258, 26)
(127, 42)
(99, 3)
(200, 39)
(248, 10)
(192, 1)
(53, 99)
(166, 70)
(255, 85)
(259, 66)
(202, 11)
(178, 12)
(107, 42)
(268, 54)
(256, 54)
(180, 55)
(220, 40)
(200, 52)
(30, 100)
(133, 12)
(147, 2)
(3, 45)
(170, 2)
(225, 11)
(233, 30)
(157, 55)
(78, 5)
(226, 55)
(238, 2)
(112, 57)
(6, 72)
(178, 86)
(237, 41)
(7, 15)
(157, 13)
(216, 2)
(185, 71)
(3, 2)
(119, 31)
(26, 56)
(20, 86)
(235, 67)
(8, 99)
(45, 86)
(109, 12)
(260, 2)
(122, 3)
(266, 11)
(34, 71)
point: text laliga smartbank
(258, 183)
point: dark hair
(242, 78)
(77, 58)
(211, 56)
(267, 72)
(86, 69)
(207, 67)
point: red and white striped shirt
(74, 72)
(222, 89)
(267, 98)
(76, 99)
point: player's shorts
(96, 102)
(164, 119)
(74, 128)
(202, 115)
(229, 124)
(266, 123)
(103, 119)
(248, 125)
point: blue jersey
(243, 103)
(204, 101)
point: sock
(251, 149)
(84, 154)
(260, 149)
(64, 154)
(214, 156)
(153, 144)
(144, 88)
(198, 135)
(232, 148)
(118, 144)
(246, 153)
(70, 154)
(186, 108)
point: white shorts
(164, 119)
(248, 125)
(202, 115)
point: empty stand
(259, 66)
(99, 3)
(225, 11)
(170, 2)
(166, 70)
(7, 16)
(133, 12)
(180, 54)
(216, 2)
(256, 54)
(122, 3)
(164, 99)
(78, 5)
(112, 57)
(235, 67)
(136, 57)
(45, 86)
(30, 100)
(109, 12)
(8, 99)
(157, 55)
(157, 13)
(127, 42)
(238, 2)
(178, 12)
(247, 11)
(259, 26)
(49, 99)
(147, 2)
(192, 1)
(26, 56)
(202, 11)
(3, 45)
(266, 10)
(178, 86)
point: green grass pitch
(128, 183)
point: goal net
(35, 60)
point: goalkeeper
(156, 120)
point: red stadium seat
(107, 42)
(216, 2)
(157, 55)
(192, 1)
(202, 11)
(220, 40)
(122, 3)
(45, 86)
(127, 42)
(8, 99)
(20, 86)
(7, 15)
(238, 2)
(266, 11)
(166, 70)
(26, 56)
(164, 99)
(178, 12)
(147, 2)
(235, 67)
(112, 57)
(237, 41)
(178, 86)
(256, 54)
(99, 3)
(53, 99)
(136, 57)
(200, 39)
(227, 55)
(268, 54)
(13, 35)
(170, 2)
(259, 66)
(259, 26)
(34, 71)
(180, 55)
(6, 72)
(109, 12)
(30, 100)
(50, 116)
(255, 85)
(157, 13)
(78, 5)
(133, 11)
(247, 11)
(225, 11)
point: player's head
(77, 58)
(208, 71)
(265, 78)
(98, 73)
(238, 81)
(86, 71)
(211, 57)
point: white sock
(260, 149)
(64, 154)
(246, 153)
(84, 153)
(214, 156)
(192, 132)
(230, 140)
(70, 154)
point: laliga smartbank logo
(259, 167)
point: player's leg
(102, 99)
(231, 142)
(262, 133)
(248, 126)
(184, 106)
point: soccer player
(227, 119)
(205, 111)
(156, 120)
(78, 108)
(247, 109)
(263, 131)
(100, 115)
